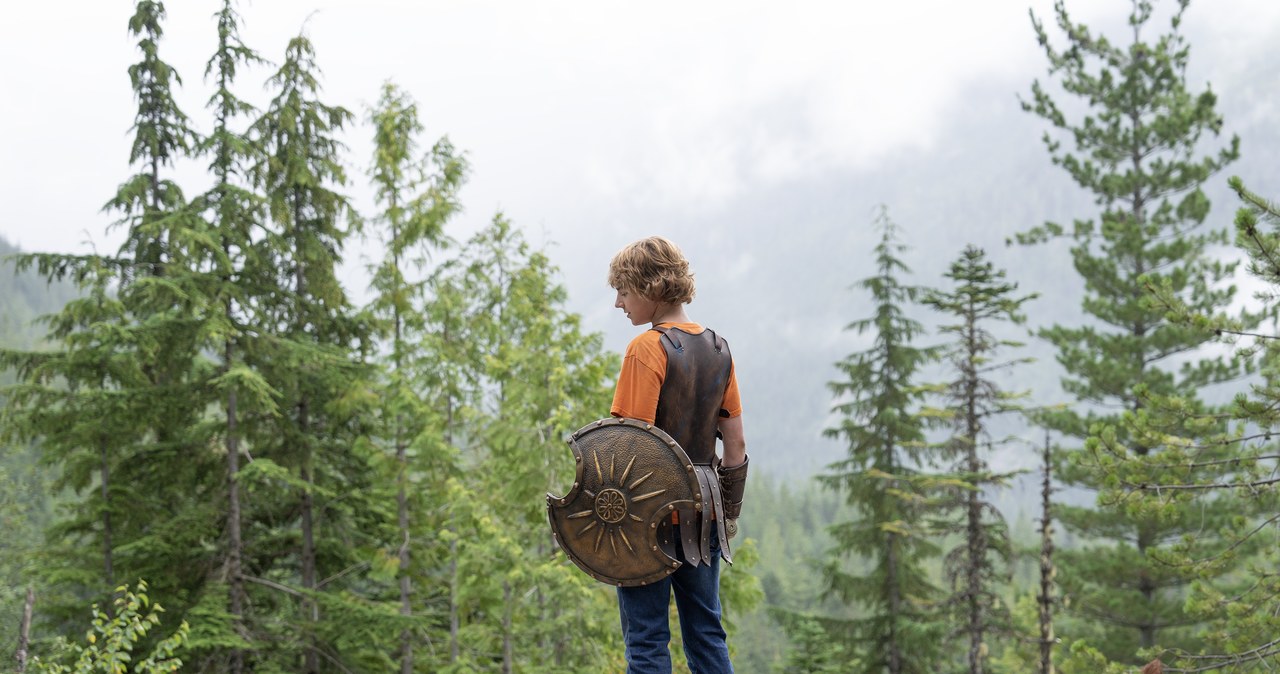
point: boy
(679, 377)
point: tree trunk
(508, 648)
(311, 612)
(235, 544)
(1045, 599)
(402, 497)
(406, 594)
(976, 536)
(895, 603)
(108, 566)
(453, 602)
(24, 630)
(310, 609)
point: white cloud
(558, 103)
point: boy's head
(655, 268)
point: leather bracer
(733, 482)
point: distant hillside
(25, 297)
(776, 267)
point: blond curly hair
(654, 267)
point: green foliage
(1138, 135)
(813, 651)
(978, 567)
(417, 198)
(115, 635)
(1204, 462)
(879, 401)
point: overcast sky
(588, 123)
(556, 103)
(561, 106)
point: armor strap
(716, 504)
(689, 531)
(733, 482)
(698, 523)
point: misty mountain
(784, 303)
(24, 297)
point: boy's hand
(731, 528)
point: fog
(760, 136)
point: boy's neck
(670, 313)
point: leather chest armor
(698, 368)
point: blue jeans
(646, 628)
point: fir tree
(233, 275)
(978, 568)
(113, 405)
(418, 197)
(542, 376)
(879, 404)
(315, 364)
(1137, 145)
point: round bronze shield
(630, 476)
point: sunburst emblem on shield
(629, 477)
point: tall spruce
(115, 404)
(1138, 137)
(879, 399)
(978, 569)
(315, 364)
(418, 195)
(234, 276)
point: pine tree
(418, 197)
(1137, 145)
(1192, 470)
(112, 405)
(978, 568)
(879, 404)
(232, 276)
(315, 363)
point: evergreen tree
(542, 377)
(879, 404)
(418, 197)
(978, 569)
(232, 276)
(1137, 145)
(113, 406)
(1193, 471)
(812, 651)
(315, 364)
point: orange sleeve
(644, 366)
(732, 405)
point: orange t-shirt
(644, 366)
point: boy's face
(637, 307)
